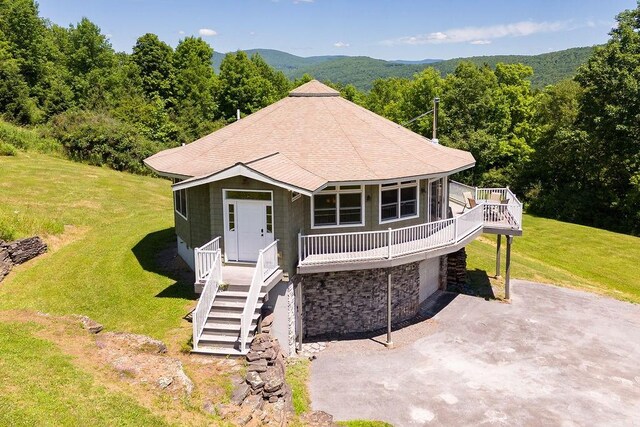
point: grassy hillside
(567, 255)
(361, 71)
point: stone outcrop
(18, 252)
(341, 303)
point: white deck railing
(266, 265)
(318, 249)
(204, 257)
(502, 209)
(208, 295)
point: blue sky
(381, 29)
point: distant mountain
(419, 61)
(361, 71)
(548, 68)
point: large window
(338, 206)
(398, 201)
(180, 200)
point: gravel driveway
(553, 356)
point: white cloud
(181, 32)
(302, 1)
(207, 32)
(341, 44)
(481, 34)
(252, 33)
(108, 35)
(481, 42)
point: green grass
(297, 376)
(104, 263)
(41, 386)
(568, 255)
(27, 139)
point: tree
(610, 115)
(195, 87)
(155, 60)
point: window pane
(350, 216)
(389, 196)
(324, 201)
(232, 218)
(248, 195)
(389, 211)
(349, 187)
(324, 212)
(408, 208)
(407, 194)
(350, 200)
(329, 188)
(269, 219)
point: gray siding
(196, 229)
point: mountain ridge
(361, 71)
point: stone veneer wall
(345, 302)
(457, 269)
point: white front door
(248, 228)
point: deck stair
(221, 333)
(231, 299)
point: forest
(572, 149)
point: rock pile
(263, 397)
(18, 252)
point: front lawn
(105, 229)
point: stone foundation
(457, 269)
(341, 303)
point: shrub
(27, 139)
(100, 139)
(7, 150)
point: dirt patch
(138, 366)
(70, 234)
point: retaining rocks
(263, 390)
(457, 269)
(18, 252)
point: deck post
(298, 299)
(499, 243)
(507, 278)
(389, 343)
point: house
(337, 219)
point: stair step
(230, 315)
(218, 338)
(237, 294)
(219, 351)
(228, 304)
(222, 326)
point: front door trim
(230, 235)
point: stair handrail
(207, 297)
(203, 258)
(266, 264)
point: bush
(7, 150)
(100, 139)
(27, 139)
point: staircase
(231, 298)
(221, 333)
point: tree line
(572, 149)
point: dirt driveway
(552, 356)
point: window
(248, 195)
(435, 200)
(180, 200)
(232, 217)
(269, 219)
(338, 206)
(398, 201)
